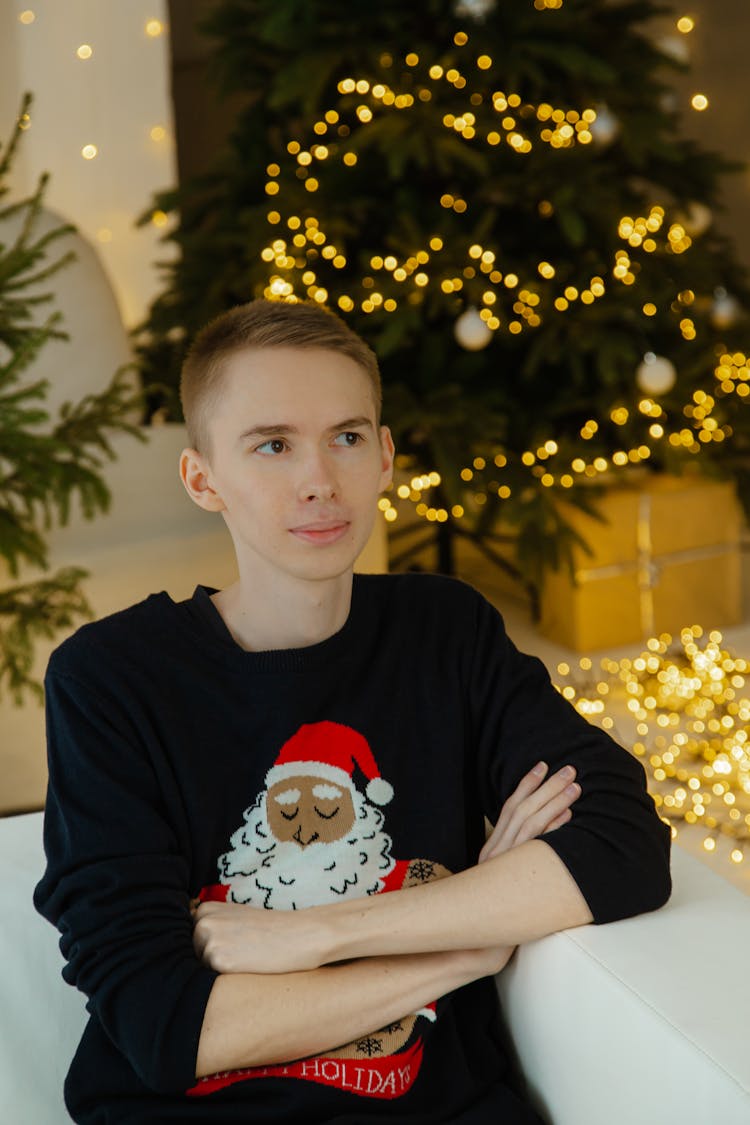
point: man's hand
(232, 938)
(537, 806)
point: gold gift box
(669, 556)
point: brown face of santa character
(309, 810)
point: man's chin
(326, 566)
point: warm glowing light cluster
(509, 302)
(414, 491)
(305, 261)
(492, 119)
(685, 710)
(733, 375)
(549, 464)
(704, 427)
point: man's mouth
(323, 531)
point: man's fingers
(539, 820)
(528, 785)
(556, 785)
(501, 837)
(558, 822)
(532, 810)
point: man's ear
(388, 452)
(195, 474)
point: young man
(265, 821)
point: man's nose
(318, 481)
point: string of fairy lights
(684, 708)
(304, 260)
(732, 376)
(510, 122)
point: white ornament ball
(724, 310)
(675, 47)
(656, 374)
(606, 126)
(471, 331)
(473, 9)
(697, 218)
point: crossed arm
(320, 977)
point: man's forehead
(286, 386)
(286, 358)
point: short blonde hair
(262, 324)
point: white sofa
(637, 1023)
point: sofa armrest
(41, 1017)
(643, 1020)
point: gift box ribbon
(648, 567)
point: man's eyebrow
(353, 423)
(282, 429)
(268, 431)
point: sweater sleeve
(116, 886)
(616, 847)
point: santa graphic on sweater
(314, 836)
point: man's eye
(349, 437)
(275, 445)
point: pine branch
(49, 469)
(32, 612)
(7, 160)
(87, 423)
(45, 463)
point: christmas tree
(500, 198)
(47, 462)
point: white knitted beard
(280, 875)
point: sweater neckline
(204, 614)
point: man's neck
(301, 614)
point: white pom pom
(379, 791)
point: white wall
(112, 100)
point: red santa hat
(330, 751)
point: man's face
(309, 810)
(297, 461)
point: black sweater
(164, 740)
